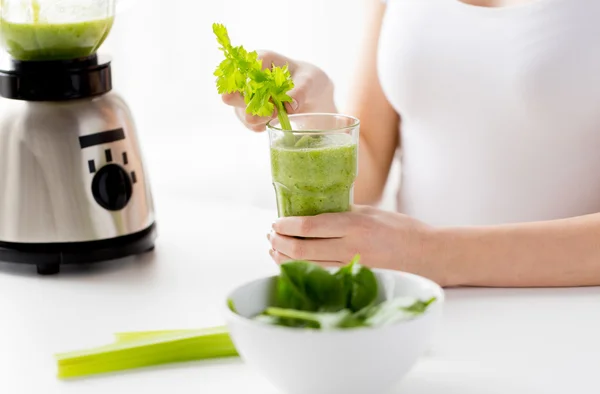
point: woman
(495, 105)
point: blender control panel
(112, 185)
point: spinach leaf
(395, 310)
(231, 305)
(319, 320)
(284, 321)
(364, 288)
(306, 286)
(309, 296)
(344, 276)
(355, 320)
(359, 284)
(419, 306)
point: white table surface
(492, 340)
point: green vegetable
(360, 285)
(264, 90)
(136, 335)
(323, 320)
(420, 306)
(136, 350)
(308, 296)
(305, 286)
(231, 306)
(394, 310)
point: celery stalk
(150, 348)
(136, 335)
(284, 122)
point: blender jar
(32, 30)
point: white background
(164, 54)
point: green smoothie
(315, 175)
(54, 41)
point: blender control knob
(112, 187)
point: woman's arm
(379, 130)
(554, 253)
(541, 254)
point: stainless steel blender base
(73, 185)
(48, 257)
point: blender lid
(55, 80)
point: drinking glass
(314, 165)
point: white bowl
(350, 361)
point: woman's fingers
(278, 257)
(292, 107)
(281, 258)
(327, 225)
(270, 59)
(300, 91)
(253, 120)
(308, 249)
(309, 84)
(254, 123)
(234, 99)
(237, 101)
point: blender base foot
(48, 269)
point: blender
(73, 186)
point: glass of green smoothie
(314, 165)
(32, 30)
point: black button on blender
(111, 187)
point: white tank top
(500, 109)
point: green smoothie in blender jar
(42, 40)
(314, 177)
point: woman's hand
(383, 239)
(313, 91)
